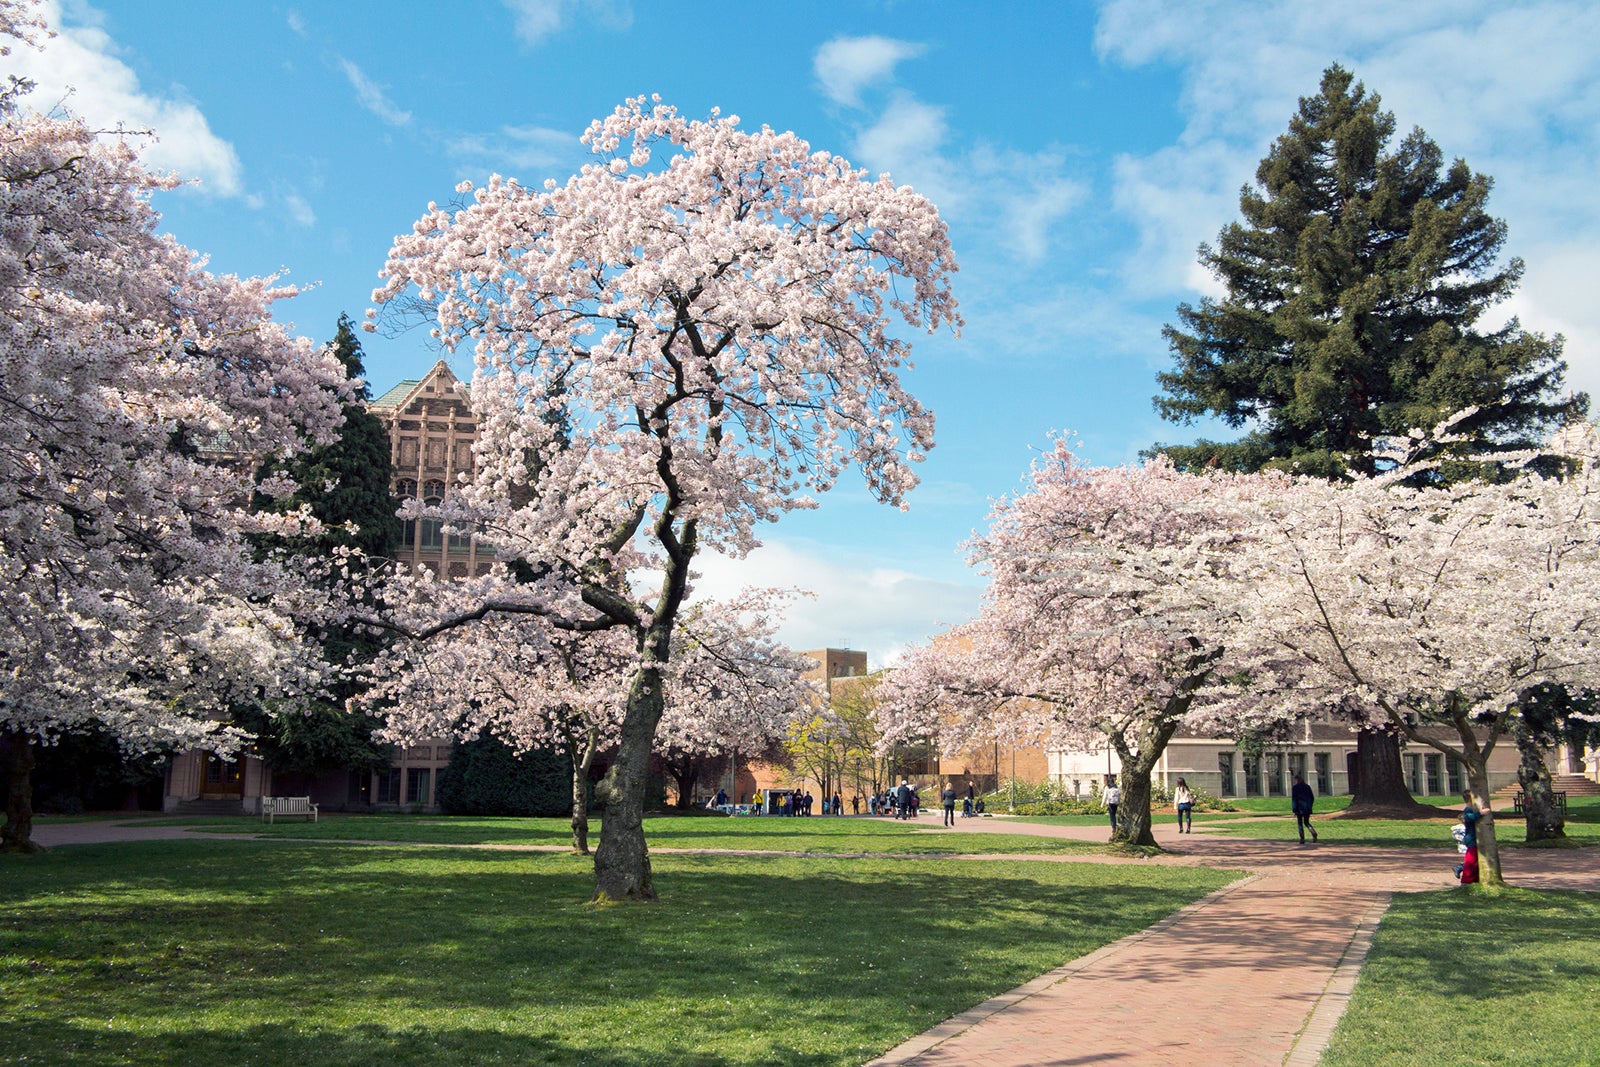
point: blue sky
(1080, 152)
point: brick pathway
(1256, 973)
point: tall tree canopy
(139, 395)
(670, 351)
(1356, 285)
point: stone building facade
(431, 432)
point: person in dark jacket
(949, 799)
(1301, 800)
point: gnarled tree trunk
(1489, 872)
(581, 755)
(622, 862)
(1133, 814)
(1546, 826)
(17, 834)
(1380, 785)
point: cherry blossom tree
(138, 394)
(732, 686)
(516, 677)
(1438, 610)
(1091, 630)
(668, 353)
(729, 687)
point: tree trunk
(1545, 824)
(17, 834)
(1133, 814)
(1380, 781)
(1488, 848)
(580, 804)
(622, 861)
(685, 775)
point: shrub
(485, 777)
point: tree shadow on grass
(361, 1045)
(794, 960)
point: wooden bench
(1559, 794)
(272, 807)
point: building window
(1452, 771)
(1324, 764)
(1252, 777)
(1435, 783)
(1414, 774)
(417, 785)
(1275, 775)
(406, 489)
(388, 785)
(360, 788)
(1297, 764)
(1225, 774)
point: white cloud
(1017, 197)
(846, 65)
(1507, 86)
(299, 210)
(536, 20)
(528, 153)
(854, 605)
(372, 96)
(78, 69)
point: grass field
(285, 952)
(816, 835)
(1582, 827)
(1507, 978)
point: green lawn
(1582, 826)
(816, 835)
(1508, 978)
(284, 952)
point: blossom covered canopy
(138, 394)
(706, 339)
(1100, 613)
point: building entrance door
(224, 779)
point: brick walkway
(1256, 973)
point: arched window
(406, 489)
(432, 529)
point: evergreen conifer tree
(1356, 285)
(1357, 282)
(347, 485)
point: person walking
(949, 798)
(1183, 800)
(1301, 800)
(838, 804)
(1112, 798)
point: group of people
(901, 801)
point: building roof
(444, 382)
(395, 395)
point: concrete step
(209, 807)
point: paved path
(1256, 973)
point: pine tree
(347, 485)
(1356, 283)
